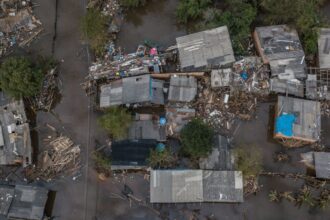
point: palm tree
(305, 196)
(288, 196)
(274, 196)
(324, 200)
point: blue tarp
(284, 124)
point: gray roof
(177, 118)
(131, 90)
(308, 116)
(221, 77)
(281, 45)
(29, 203)
(6, 198)
(293, 87)
(146, 129)
(322, 164)
(182, 88)
(205, 49)
(15, 133)
(324, 48)
(182, 186)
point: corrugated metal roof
(322, 164)
(221, 77)
(181, 186)
(206, 48)
(6, 198)
(324, 48)
(182, 89)
(292, 87)
(146, 129)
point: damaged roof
(322, 164)
(307, 125)
(210, 48)
(131, 90)
(293, 87)
(221, 77)
(183, 186)
(146, 129)
(182, 88)
(280, 47)
(15, 141)
(324, 48)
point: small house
(139, 90)
(297, 121)
(185, 186)
(319, 161)
(221, 78)
(15, 140)
(324, 48)
(182, 89)
(205, 50)
(23, 202)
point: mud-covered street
(88, 198)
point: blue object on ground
(244, 75)
(162, 121)
(284, 124)
(160, 147)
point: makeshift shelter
(318, 83)
(183, 186)
(206, 49)
(297, 121)
(182, 89)
(140, 90)
(23, 202)
(324, 48)
(319, 161)
(15, 141)
(221, 78)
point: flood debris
(18, 25)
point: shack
(280, 47)
(297, 121)
(15, 141)
(221, 78)
(139, 90)
(147, 126)
(182, 89)
(324, 48)
(205, 50)
(131, 154)
(183, 186)
(22, 202)
(319, 162)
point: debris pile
(107, 7)
(325, 108)
(61, 158)
(18, 25)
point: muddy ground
(74, 116)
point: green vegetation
(248, 160)
(19, 77)
(116, 121)
(304, 15)
(102, 162)
(94, 26)
(197, 139)
(164, 159)
(191, 10)
(132, 3)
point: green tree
(248, 160)
(94, 27)
(116, 121)
(102, 162)
(190, 10)
(132, 3)
(197, 138)
(304, 15)
(164, 159)
(19, 77)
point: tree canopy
(132, 3)
(19, 77)
(116, 121)
(94, 27)
(191, 9)
(164, 159)
(197, 138)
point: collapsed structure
(280, 47)
(178, 186)
(297, 121)
(15, 141)
(22, 202)
(206, 49)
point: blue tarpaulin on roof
(284, 124)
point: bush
(132, 3)
(20, 78)
(197, 139)
(116, 121)
(164, 159)
(189, 10)
(94, 27)
(102, 163)
(248, 160)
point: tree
(133, 3)
(102, 163)
(274, 196)
(305, 197)
(19, 77)
(163, 159)
(94, 27)
(248, 160)
(116, 121)
(197, 138)
(190, 10)
(304, 15)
